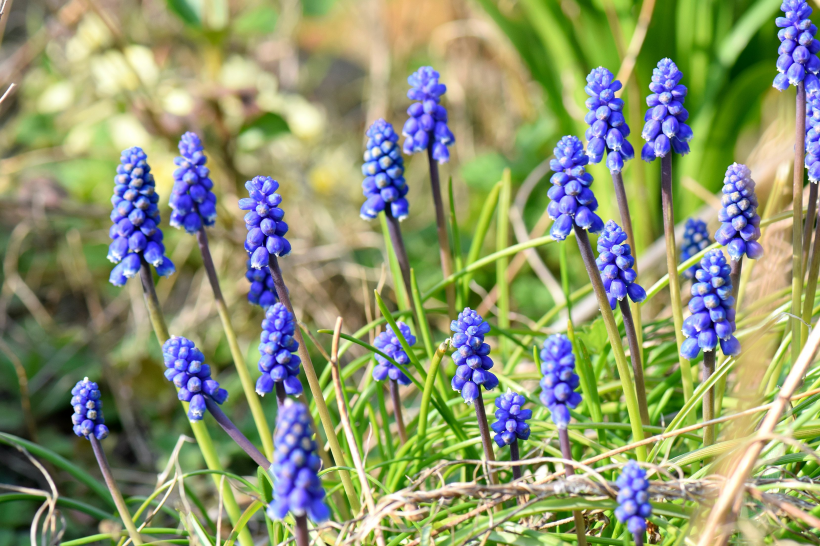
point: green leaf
(484, 171)
(317, 8)
(258, 20)
(594, 336)
(190, 11)
(199, 532)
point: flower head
(695, 239)
(88, 415)
(615, 263)
(263, 290)
(560, 380)
(571, 199)
(740, 224)
(511, 419)
(665, 126)
(266, 229)
(187, 370)
(427, 124)
(388, 342)
(297, 488)
(798, 49)
(383, 169)
(813, 133)
(279, 361)
(713, 309)
(136, 234)
(633, 498)
(193, 201)
(607, 126)
(471, 355)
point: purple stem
(235, 434)
(566, 453)
(484, 428)
(302, 538)
(515, 456)
(280, 394)
(441, 228)
(401, 255)
(635, 357)
(397, 409)
(737, 267)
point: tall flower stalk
(388, 343)
(511, 425)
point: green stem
(481, 229)
(441, 229)
(811, 214)
(397, 409)
(397, 242)
(402, 297)
(502, 240)
(708, 397)
(814, 270)
(122, 508)
(799, 330)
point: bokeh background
(286, 88)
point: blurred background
(286, 88)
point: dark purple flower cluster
(560, 380)
(135, 233)
(279, 362)
(798, 46)
(193, 201)
(266, 229)
(665, 126)
(187, 370)
(427, 125)
(383, 169)
(615, 263)
(571, 199)
(263, 290)
(297, 488)
(813, 130)
(88, 415)
(607, 126)
(633, 498)
(740, 223)
(511, 419)
(471, 356)
(388, 342)
(713, 309)
(695, 239)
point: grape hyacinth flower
(813, 133)
(511, 419)
(263, 290)
(740, 223)
(88, 416)
(798, 46)
(607, 126)
(388, 343)
(633, 499)
(266, 229)
(571, 199)
(187, 370)
(427, 124)
(471, 356)
(615, 263)
(695, 239)
(193, 201)
(383, 169)
(279, 362)
(560, 380)
(665, 126)
(135, 233)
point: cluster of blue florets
(193, 201)
(263, 290)
(383, 169)
(713, 309)
(189, 373)
(471, 356)
(88, 415)
(813, 131)
(388, 343)
(136, 231)
(559, 381)
(571, 199)
(798, 46)
(427, 125)
(740, 223)
(279, 362)
(633, 498)
(266, 229)
(511, 419)
(665, 126)
(695, 239)
(615, 263)
(607, 126)
(297, 488)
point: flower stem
(315, 388)
(614, 340)
(708, 397)
(441, 228)
(302, 538)
(638, 537)
(799, 331)
(811, 216)
(635, 356)
(484, 428)
(401, 254)
(239, 360)
(502, 241)
(235, 434)
(814, 269)
(737, 267)
(397, 410)
(566, 453)
(122, 508)
(515, 456)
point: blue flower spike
(264, 221)
(88, 416)
(713, 309)
(740, 223)
(471, 356)
(633, 500)
(511, 419)
(135, 232)
(279, 362)
(607, 126)
(383, 170)
(427, 124)
(572, 202)
(186, 369)
(615, 263)
(559, 381)
(695, 239)
(798, 49)
(665, 129)
(813, 134)
(192, 200)
(263, 290)
(297, 488)
(388, 342)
